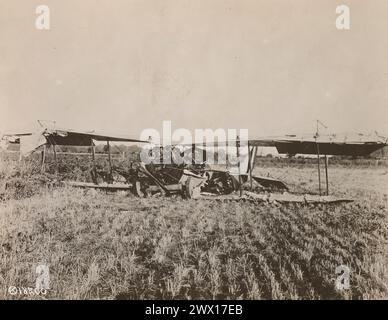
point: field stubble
(108, 246)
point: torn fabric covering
(31, 142)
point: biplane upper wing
(330, 144)
(349, 144)
(29, 141)
(81, 138)
(334, 144)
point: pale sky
(271, 66)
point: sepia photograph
(193, 154)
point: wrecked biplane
(199, 178)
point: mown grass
(107, 246)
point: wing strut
(327, 174)
(319, 169)
(251, 163)
(238, 163)
(110, 161)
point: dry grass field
(115, 246)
